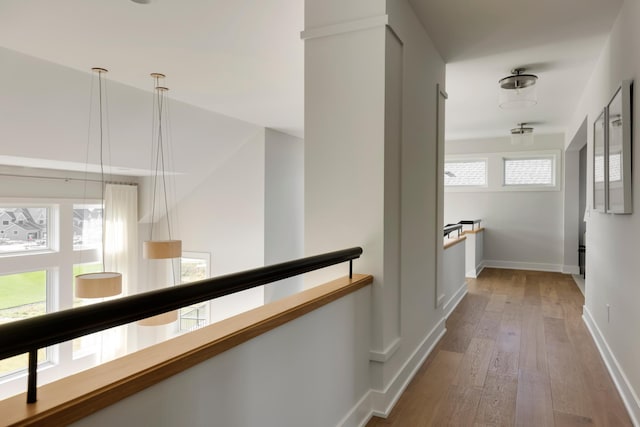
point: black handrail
(471, 222)
(450, 228)
(29, 335)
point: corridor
(516, 352)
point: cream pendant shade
(162, 249)
(98, 285)
(160, 319)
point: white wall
(612, 240)
(524, 229)
(284, 208)
(454, 285)
(370, 170)
(303, 373)
(44, 120)
(224, 216)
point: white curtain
(121, 233)
(121, 253)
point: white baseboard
(571, 269)
(473, 274)
(455, 300)
(579, 282)
(382, 401)
(387, 353)
(629, 396)
(379, 402)
(515, 265)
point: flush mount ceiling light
(518, 90)
(522, 135)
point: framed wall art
(599, 164)
(619, 198)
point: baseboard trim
(455, 300)
(382, 401)
(571, 269)
(383, 356)
(515, 265)
(579, 282)
(629, 397)
(473, 274)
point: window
(22, 295)
(87, 226)
(529, 171)
(194, 266)
(23, 233)
(465, 173)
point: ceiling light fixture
(160, 156)
(106, 283)
(161, 249)
(518, 90)
(522, 135)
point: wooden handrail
(29, 335)
(77, 396)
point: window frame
(58, 261)
(467, 159)
(553, 155)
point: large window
(194, 266)
(23, 229)
(87, 226)
(529, 171)
(43, 245)
(465, 173)
(22, 295)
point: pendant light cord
(160, 162)
(104, 209)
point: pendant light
(160, 249)
(100, 284)
(522, 135)
(518, 90)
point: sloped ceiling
(244, 58)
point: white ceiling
(244, 58)
(481, 41)
(240, 58)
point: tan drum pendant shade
(106, 283)
(98, 285)
(162, 249)
(160, 319)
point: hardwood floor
(516, 353)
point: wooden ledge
(451, 242)
(473, 231)
(75, 397)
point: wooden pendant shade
(162, 249)
(160, 319)
(98, 285)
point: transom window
(465, 173)
(529, 171)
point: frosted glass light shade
(162, 249)
(160, 319)
(98, 285)
(522, 135)
(522, 139)
(518, 98)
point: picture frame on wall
(619, 195)
(599, 165)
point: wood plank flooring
(516, 353)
